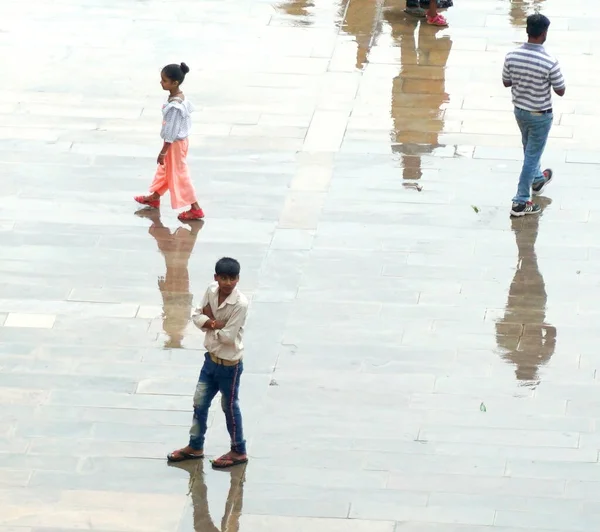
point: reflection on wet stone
(176, 248)
(197, 516)
(403, 371)
(535, 341)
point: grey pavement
(416, 361)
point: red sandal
(438, 20)
(145, 200)
(192, 214)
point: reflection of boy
(202, 521)
(222, 316)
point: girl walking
(172, 173)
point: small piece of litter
(482, 407)
(475, 208)
(273, 383)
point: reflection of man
(201, 518)
(526, 306)
(174, 287)
(418, 119)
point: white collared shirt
(224, 343)
(177, 120)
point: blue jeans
(534, 134)
(225, 379)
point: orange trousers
(174, 176)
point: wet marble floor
(416, 361)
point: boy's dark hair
(176, 72)
(537, 25)
(227, 267)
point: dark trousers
(225, 379)
(425, 3)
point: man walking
(531, 72)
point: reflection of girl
(172, 173)
(174, 287)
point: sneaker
(521, 209)
(539, 187)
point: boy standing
(222, 316)
(530, 72)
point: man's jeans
(225, 379)
(534, 134)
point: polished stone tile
(477, 485)
(14, 478)
(21, 461)
(502, 437)
(453, 514)
(76, 509)
(332, 478)
(292, 239)
(257, 504)
(63, 429)
(506, 502)
(34, 321)
(436, 527)
(551, 521)
(256, 523)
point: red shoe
(192, 214)
(145, 200)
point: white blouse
(177, 120)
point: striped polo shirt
(532, 71)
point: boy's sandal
(192, 214)
(438, 20)
(145, 200)
(180, 456)
(226, 461)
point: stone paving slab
(416, 360)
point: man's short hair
(227, 267)
(537, 25)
